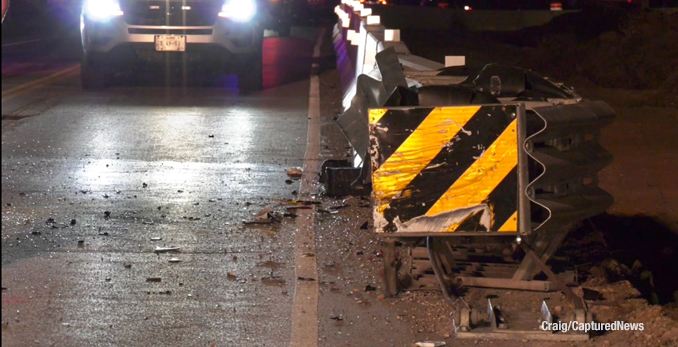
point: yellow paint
(376, 114)
(511, 224)
(481, 178)
(40, 81)
(417, 151)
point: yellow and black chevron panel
(444, 169)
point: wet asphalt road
(92, 180)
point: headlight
(238, 10)
(102, 10)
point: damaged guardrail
(478, 175)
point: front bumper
(105, 37)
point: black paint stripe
(400, 124)
(430, 185)
(504, 198)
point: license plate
(171, 43)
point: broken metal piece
(167, 249)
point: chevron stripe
(417, 151)
(481, 178)
(456, 159)
(511, 224)
(376, 114)
(479, 133)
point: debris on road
(232, 276)
(174, 260)
(265, 216)
(73, 221)
(167, 249)
(154, 279)
(430, 344)
(273, 281)
(156, 238)
(107, 214)
(294, 172)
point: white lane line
(28, 41)
(305, 310)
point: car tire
(93, 74)
(250, 77)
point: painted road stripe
(305, 309)
(418, 149)
(6, 94)
(27, 42)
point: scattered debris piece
(328, 211)
(290, 215)
(306, 279)
(211, 136)
(50, 221)
(270, 232)
(154, 279)
(338, 318)
(273, 281)
(430, 344)
(299, 208)
(212, 200)
(107, 214)
(167, 249)
(288, 181)
(127, 265)
(180, 191)
(73, 221)
(144, 185)
(294, 172)
(108, 279)
(148, 222)
(5, 288)
(308, 255)
(174, 260)
(156, 238)
(370, 288)
(232, 276)
(265, 216)
(35, 232)
(365, 225)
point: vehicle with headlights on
(222, 35)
